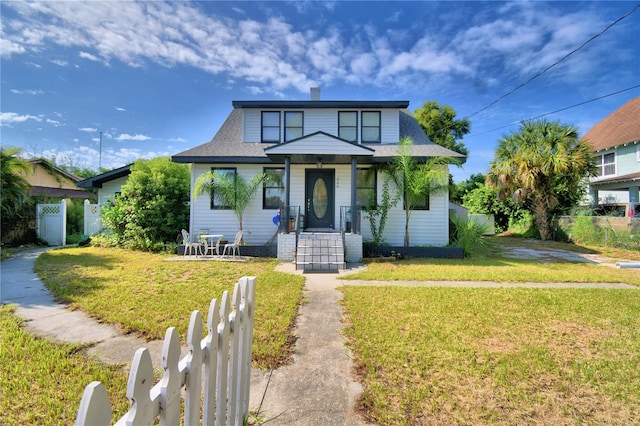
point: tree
(417, 180)
(536, 164)
(440, 124)
(153, 204)
(458, 190)
(14, 185)
(231, 189)
(15, 201)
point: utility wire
(555, 63)
(561, 109)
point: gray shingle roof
(227, 145)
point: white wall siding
(390, 126)
(251, 125)
(109, 189)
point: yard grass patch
(42, 382)
(496, 356)
(495, 270)
(144, 293)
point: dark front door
(319, 195)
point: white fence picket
(225, 353)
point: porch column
(354, 168)
(287, 192)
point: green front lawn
(496, 270)
(41, 383)
(145, 293)
(437, 355)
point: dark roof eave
(320, 104)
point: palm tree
(538, 165)
(14, 187)
(416, 180)
(232, 190)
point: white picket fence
(225, 354)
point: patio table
(207, 240)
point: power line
(561, 109)
(555, 63)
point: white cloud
(128, 137)
(89, 56)
(59, 62)
(88, 129)
(120, 109)
(56, 123)
(8, 118)
(28, 92)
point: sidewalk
(316, 389)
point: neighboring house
(48, 180)
(322, 150)
(616, 145)
(108, 184)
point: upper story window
(222, 199)
(273, 193)
(606, 164)
(371, 126)
(293, 125)
(366, 188)
(638, 152)
(348, 125)
(271, 126)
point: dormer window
(371, 126)
(271, 126)
(348, 125)
(293, 125)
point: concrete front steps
(320, 252)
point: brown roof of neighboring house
(618, 128)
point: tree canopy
(543, 165)
(440, 124)
(14, 188)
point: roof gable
(620, 127)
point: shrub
(468, 235)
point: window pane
(217, 201)
(610, 169)
(293, 119)
(365, 197)
(347, 118)
(371, 134)
(271, 134)
(273, 193)
(271, 119)
(371, 118)
(348, 133)
(293, 133)
(609, 158)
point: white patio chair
(235, 246)
(189, 246)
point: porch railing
(347, 225)
(290, 220)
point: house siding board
(627, 160)
(251, 126)
(109, 189)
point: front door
(319, 196)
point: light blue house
(616, 145)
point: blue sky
(157, 78)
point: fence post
(223, 360)
(211, 364)
(193, 370)
(63, 219)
